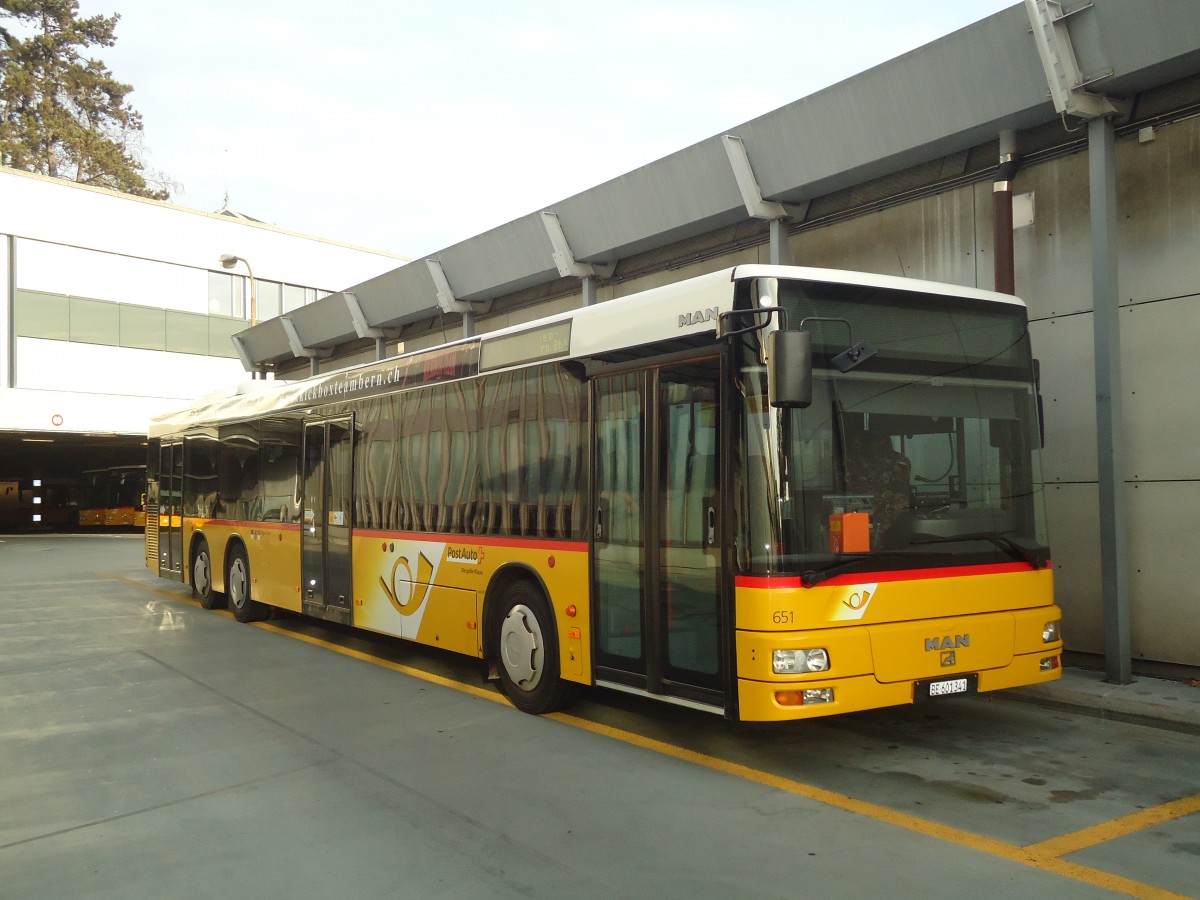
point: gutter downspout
(1002, 214)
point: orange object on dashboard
(849, 532)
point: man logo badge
(699, 317)
(948, 659)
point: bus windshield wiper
(1020, 548)
(845, 563)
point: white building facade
(116, 308)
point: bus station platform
(1157, 702)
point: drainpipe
(1002, 214)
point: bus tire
(202, 582)
(237, 588)
(526, 651)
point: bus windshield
(924, 455)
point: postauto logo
(464, 554)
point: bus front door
(657, 532)
(325, 533)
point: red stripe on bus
(768, 582)
(233, 523)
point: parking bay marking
(1044, 855)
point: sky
(408, 127)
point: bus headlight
(1050, 632)
(790, 662)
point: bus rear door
(170, 510)
(325, 532)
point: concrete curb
(1157, 702)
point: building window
(270, 299)
(293, 297)
(225, 295)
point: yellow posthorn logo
(850, 603)
(407, 594)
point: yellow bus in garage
(769, 492)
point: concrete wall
(948, 237)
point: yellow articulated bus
(769, 492)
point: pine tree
(61, 114)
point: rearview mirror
(789, 369)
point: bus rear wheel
(202, 583)
(526, 651)
(237, 584)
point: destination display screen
(533, 345)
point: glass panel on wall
(293, 297)
(187, 333)
(41, 315)
(95, 322)
(143, 327)
(225, 294)
(269, 298)
(220, 334)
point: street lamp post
(228, 261)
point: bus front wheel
(237, 585)
(526, 651)
(202, 583)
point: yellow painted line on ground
(1115, 828)
(884, 814)
(1044, 856)
(482, 693)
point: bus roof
(680, 309)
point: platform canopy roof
(944, 98)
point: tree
(60, 114)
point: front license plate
(946, 687)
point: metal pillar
(1114, 564)
(589, 290)
(1004, 268)
(8, 331)
(780, 254)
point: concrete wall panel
(1158, 211)
(931, 238)
(1162, 412)
(1164, 565)
(1072, 513)
(1064, 348)
(1054, 255)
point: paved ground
(151, 749)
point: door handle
(711, 525)
(599, 522)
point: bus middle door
(325, 533)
